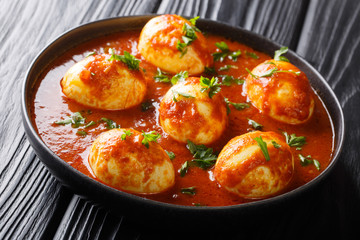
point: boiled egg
(110, 85)
(280, 90)
(187, 112)
(250, 171)
(120, 159)
(161, 38)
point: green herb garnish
(255, 125)
(225, 52)
(294, 141)
(110, 124)
(127, 58)
(179, 77)
(76, 120)
(263, 147)
(227, 67)
(91, 123)
(280, 52)
(189, 191)
(81, 133)
(237, 106)
(210, 84)
(272, 71)
(146, 106)
(185, 95)
(189, 36)
(126, 134)
(149, 137)
(170, 154)
(161, 76)
(228, 80)
(184, 168)
(275, 144)
(203, 156)
(305, 161)
(251, 54)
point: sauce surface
(51, 105)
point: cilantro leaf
(203, 156)
(189, 191)
(225, 52)
(127, 58)
(294, 141)
(255, 125)
(110, 124)
(210, 84)
(76, 120)
(125, 134)
(185, 95)
(305, 161)
(170, 154)
(237, 106)
(280, 52)
(149, 137)
(263, 147)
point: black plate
(138, 208)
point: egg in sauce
(70, 127)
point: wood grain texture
(33, 205)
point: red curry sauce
(51, 105)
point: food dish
(127, 198)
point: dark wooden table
(33, 205)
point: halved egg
(243, 168)
(110, 85)
(188, 113)
(120, 159)
(281, 91)
(161, 38)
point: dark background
(33, 205)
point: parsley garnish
(203, 156)
(163, 77)
(189, 191)
(255, 125)
(127, 58)
(275, 144)
(263, 147)
(184, 168)
(149, 137)
(210, 84)
(280, 52)
(110, 124)
(304, 161)
(270, 72)
(76, 120)
(294, 141)
(147, 105)
(227, 67)
(170, 154)
(189, 32)
(81, 133)
(228, 80)
(251, 54)
(179, 77)
(125, 134)
(185, 95)
(237, 106)
(225, 52)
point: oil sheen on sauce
(51, 105)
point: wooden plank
(330, 40)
